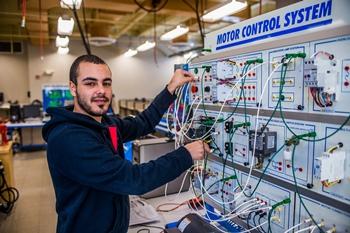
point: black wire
(154, 9)
(199, 22)
(149, 226)
(248, 218)
(144, 229)
(87, 48)
(261, 227)
(11, 197)
(254, 221)
(86, 44)
(85, 24)
(195, 9)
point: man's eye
(107, 84)
(91, 84)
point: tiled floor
(34, 212)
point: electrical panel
(276, 116)
(269, 142)
(271, 194)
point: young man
(92, 180)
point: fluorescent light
(65, 27)
(70, 3)
(146, 46)
(130, 53)
(190, 55)
(62, 41)
(227, 9)
(178, 31)
(62, 50)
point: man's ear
(73, 88)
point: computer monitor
(56, 96)
(31, 111)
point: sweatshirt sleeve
(144, 123)
(92, 163)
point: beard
(87, 107)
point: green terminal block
(236, 126)
(295, 139)
(207, 68)
(206, 50)
(283, 202)
(195, 70)
(258, 60)
(295, 55)
(229, 178)
(310, 135)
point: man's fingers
(188, 76)
(206, 148)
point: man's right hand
(197, 149)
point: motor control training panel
(277, 120)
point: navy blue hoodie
(92, 180)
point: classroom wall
(14, 76)
(138, 76)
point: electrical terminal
(275, 219)
(295, 55)
(258, 60)
(278, 209)
(332, 230)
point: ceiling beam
(134, 20)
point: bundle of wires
(8, 194)
(184, 124)
(321, 98)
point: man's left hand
(179, 78)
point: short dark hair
(73, 73)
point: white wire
(182, 127)
(227, 96)
(313, 229)
(182, 184)
(310, 228)
(295, 226)
(229, 216)
(250, 229)
(256, 129)
(254, 146)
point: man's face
(93, 92)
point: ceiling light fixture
(70, 3)
(63, 50)
(227, 9)
(130, 53)
(65, 26)
(176, 32)
(146, 46)
(62, 41)
(190, 55)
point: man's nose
(101, 89)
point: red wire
(24, 6)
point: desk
(167, 217)
(28, 124)
(30, 135)
(6, 156)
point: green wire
(298, 192)
(283, 74)
(223, 172)
(282, 80)
(312, 140)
